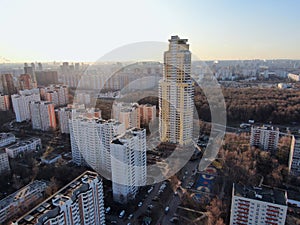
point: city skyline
(217, 30)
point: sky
(76, 30)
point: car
(113, 222)
(130, 216)
(122, 214)
(150, 206)
(167, 209)
(175, 193)
(174, 219)
(107, 210)
(140, 204)
(150, 189)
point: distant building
(147, 113)
(265, 137)
(90, 141)
(57, 94)
(7, 86)
(79, 202)
(4, 102)
(258, 205)
(83, 98)
(294, 77)
(25, 82)
(22, 200)
(294, 159)
(23, 146)
(4, 164)
(176, 94)
(46, 77)
(21, 101)
(126, 113)
(6, 139)
(64, 114)
(128, 164)
(42, 115)
(31, 71)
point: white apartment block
(294, 159)
(79, 202)
(128, 164)
(64, 114)
(90, 142)
(42, 115)
(258, 205)
(21, 102)
(265, 137)
(4, 102)
(6, 139)
(176, 94)
(24, 146)
(21, 200)
(4, 163)
(126, 113)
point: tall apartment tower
(258, 205)
(294, 160)
(176, 94)
(265, 137)
(21, 102)
(128, 164)
(79, 202)
(42, 115)
(4, 102)
(90, 141)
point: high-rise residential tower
(176, 94)
(42, 115)
(128, 164)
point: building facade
(57, 94)
(176, 94)
(42, 115)
(128, 164)
(20, 201)
(294, 159)
(21, 101)
(90, 141)
(79, 202)
(126, 113)
(258, 205)
(265, 137)
(4, 163)
(4, 102)
(24, 146)
(147, 113)
(6, 139)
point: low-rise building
(79, 202)
(21, 201)
(258, 205)
(6, 139)
(23, 146)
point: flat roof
(47, 209)
(263, 193)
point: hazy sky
(84, 30)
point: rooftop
(50, 207)
(263, 193)
(23, 142)
(21, 193)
